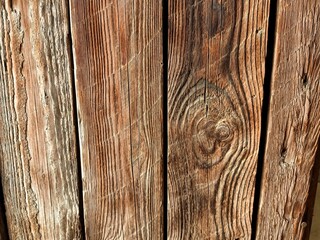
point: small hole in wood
(283, 152)
(304, 80)
(258, 31)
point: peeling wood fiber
(38, 157)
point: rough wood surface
(117, 48)
(37, 153)
(216, 70)
(294, 121)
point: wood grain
(216, 70)
(38, 157)
(294, 121)
(117, 46)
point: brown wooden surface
(215, 89)
(38, 157)
(114, 57)
(118, 53)
(294, 121)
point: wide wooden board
(294, 121)
(117, 46)
(38, 162)
(216, 63)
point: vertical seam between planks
(76, 124)
(3, 215)
(269, 61)
(165, 17)
(308, 213)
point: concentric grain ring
(208, 117)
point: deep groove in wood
(165, 115)
(265, 111)
(76, 126)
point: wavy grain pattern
(37, 153)
(294, 121)
(216, 70)
(118, 52)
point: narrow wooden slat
(294, 121)
(216, 70)
(38, 156)
(118, 52)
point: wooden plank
(118, 57)
(294, 121)
(216, 71)
(38, 153)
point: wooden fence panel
(215, 90)
(113, 102)
(293, 123)
(38, 156)
(118, 61)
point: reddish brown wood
(216, 70)
(294, 121)
(118, 65)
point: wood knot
(211, 139)
(223, 132)
(207, 123)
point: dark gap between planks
(165, 16)
(76, 126)
(265, 112)
(3, 219)
(308, 214)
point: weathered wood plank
(294, 121)
(216, 71)
(38, 156)
(118, 52)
